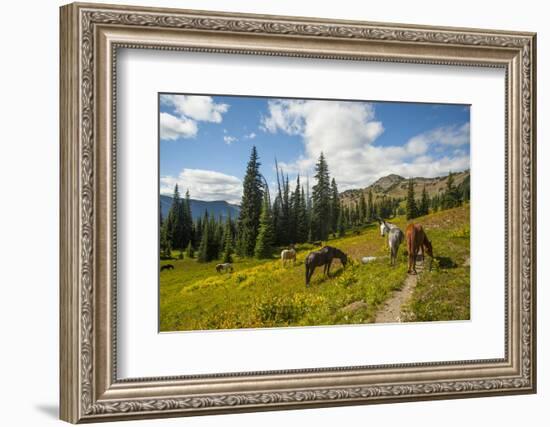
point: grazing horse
(323, 257)
(288, 255)
(227, 266)
(416, 241)
(395, 238)
(385, 227)
(167, 267)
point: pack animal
(395, 238)
(323, 257)
(417, 241)
(166, 267)
(288, 255)
(227, 267)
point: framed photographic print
(265, 212)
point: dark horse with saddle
(323, 257)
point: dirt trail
(391, 311)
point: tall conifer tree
(424, 203)
(205, 239)
(362, 208)
(187, 218)
(228, 241)
(251, 206)
(321, 200)
(371, 210)
(302, 218)
(412, 210)
(335, 206)
(264, 241)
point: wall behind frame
(29, 170)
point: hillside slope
(396, 186)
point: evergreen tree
(345, 210)
(424, 203)
(464, 189)
(353, 214)
(277, 220)
(452, 196)
(205, 240)
(285, 219)
(190, 252)
(362, 208)
(412, 210)
(228, 242)
(335, 206)
(175, 221)
(165, 248)
(302, 222)
(298, 215)
(264, 242)
(187, 219)
(435, 202)
(340, 224)
(215, 231)
(309, 212)
(384, 207)
(321, 200)
(251, 206)
(198, 233)
(371, 210)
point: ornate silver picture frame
(91, 34)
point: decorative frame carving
(90, 36)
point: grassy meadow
(264, 293)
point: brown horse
(417, 240)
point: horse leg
(328, 268)
(414, 260)
(307, 276)
(312, 269)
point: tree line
(452, 197)
(294, 215)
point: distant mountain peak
(386, 182)
(394, 185)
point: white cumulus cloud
(204, 185)
(346, 133)
(189, 110)
(172, 127)
(229, 139)
(196, 107)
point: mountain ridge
(391, 185)
(198, 207)
(395, 186)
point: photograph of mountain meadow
(278, 212)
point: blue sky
(205, 141)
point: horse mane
(337, 252)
